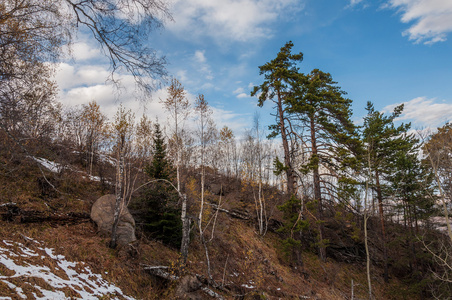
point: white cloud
(181, 75)
(242, 95)
(239, 91)
(82, 51)
(81, 84)
(199, 56)
(354, 2)
(432, 19)
(236, 122)
(237, 20)
(202, 65)
(76, 75)
(424, 112)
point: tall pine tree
(329, 138)
(384, 144)
(279, 76)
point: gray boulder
(187, 287)
(216, 189)
(102, 214)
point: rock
(216, 189)
(187, 285)
(102, 213)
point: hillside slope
(51, 236)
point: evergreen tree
(160, 166)
(384, 144)
(412, 184)
(160, 213)
(329, 138)
(292, 228)
(279, 75)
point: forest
(311, 199)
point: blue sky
(387, 51)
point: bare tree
(178, 106)
(227, 148)
(261, 209)
(34, 31)
(28, 105)
(122, 134)
(143, 139)
(204, 129)
(438, 150)
(95, 130)
(122, 29)
(31, 32)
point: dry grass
(238, 255)
(80, 244)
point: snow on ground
(36, 272)
(56, 167)
(50, 165)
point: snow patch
(50, 165)
(75, 276)
(56, 167)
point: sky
(384, 51)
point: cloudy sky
(385, 51)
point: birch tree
(261, 210)
(95, 129)
(205, 124)
(438, 150)
(227, 147)
(179, 108)
(143, 139)
(438, 154)
(122, 134)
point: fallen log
(160, 271)
(163, 272)
(238, 214)
(12, 213)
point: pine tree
(329, 138)
(160, 167)
(160, 214)
(279, 75)
(412, 184)
(292, 227)
(384, 142)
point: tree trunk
(201, 209)
(382, 222)
(177, 154)
(369, 282)
(285, 142)
(317, 192)
(366, 218)
(185, 230)
(119, 195)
